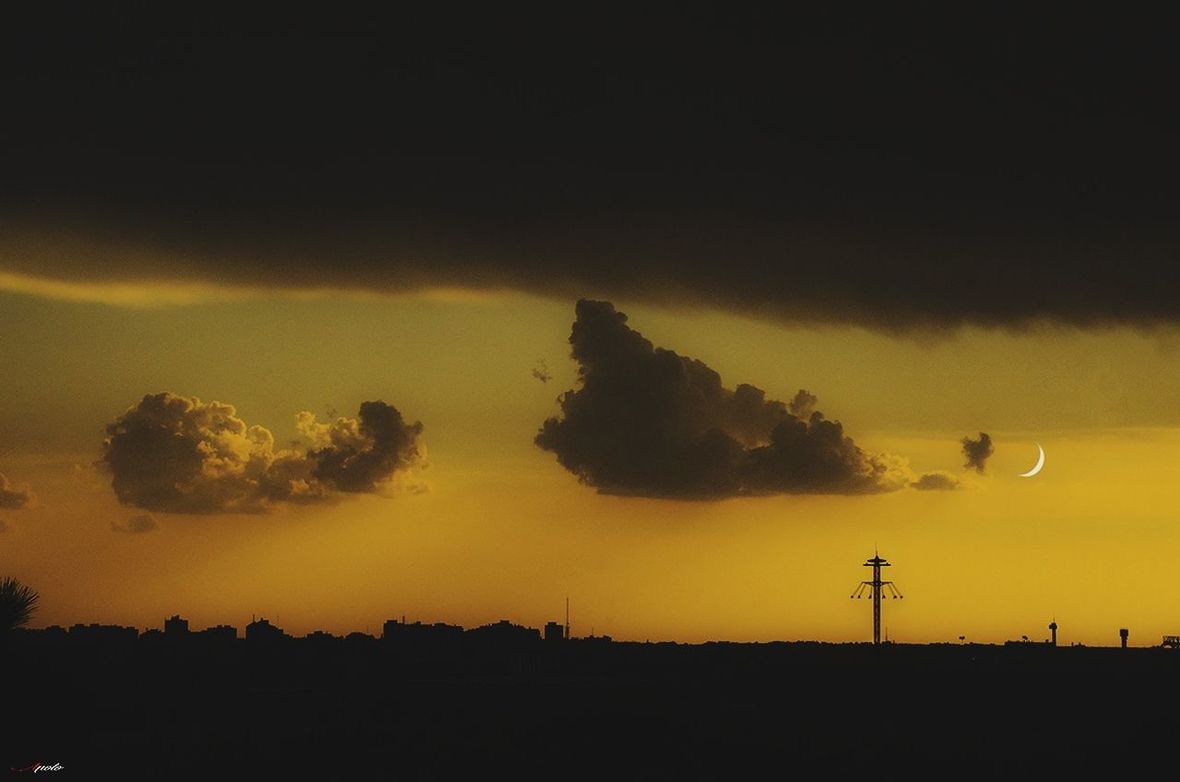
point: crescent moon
(1036, 467)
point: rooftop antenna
(874, 589)
(567, 617)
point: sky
(338, 323)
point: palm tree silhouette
(18, 603)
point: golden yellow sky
(504, 532)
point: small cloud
(937, 481)
(136, 525)
(977, 451)
(13, 497)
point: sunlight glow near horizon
(506, 533)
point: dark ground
(363, 708)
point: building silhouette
(175, 626)
(103, 633)
(505, 631)
(219, 633)
(395, 630)
(263, 630)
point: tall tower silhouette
(875, 588)
(1053, 630)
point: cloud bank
(647, 421)
(13, 497)
(177, 454)
(883, 169)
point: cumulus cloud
(648, 421)
(977, 451)
(136, 525)
(178, 454)
(937, 481)
(13, 497)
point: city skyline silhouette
(20, 602)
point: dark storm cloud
(13, 497)
(178, 454)
(977, 451)
(937, 481)
(136, 525)
(793, 164)
(647, 421)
